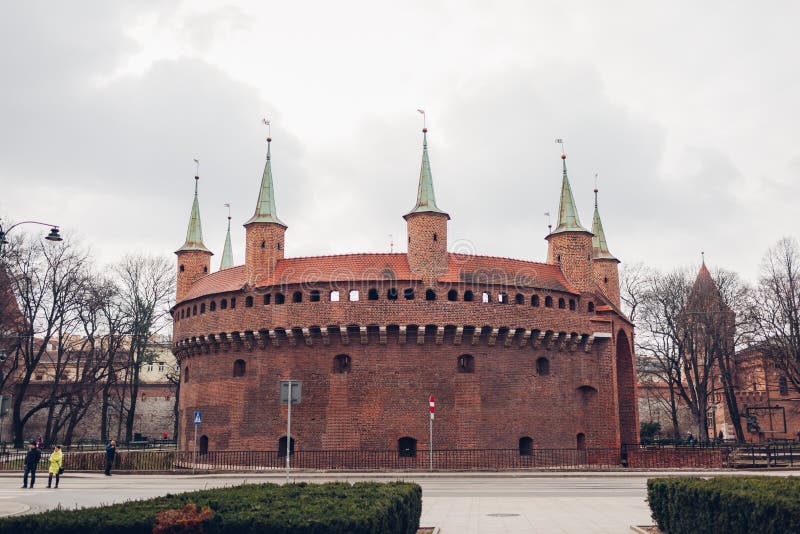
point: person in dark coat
(31, 463)
(111, 453)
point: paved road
(457, 503)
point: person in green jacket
(56, 462)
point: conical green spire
(265, 208)
(568, 220)
(599, 246)
(426, 200)
(194, 234)
(227, 251)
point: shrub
(185, 520)
(337, 507)
(732, 505)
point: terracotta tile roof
(347, 267)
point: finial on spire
(599, 244)
(549, 224)
(595, 190)
(269, 129)
(424, 125)
(196, 169)
(194, 233)
(703, 257)
(568, 220)
(563, 150)
(265, 207)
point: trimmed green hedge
(337, 507)
(767, 505)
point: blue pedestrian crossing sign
(198, 418)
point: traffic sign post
(198, 420)
(290, 393)
(430, 437)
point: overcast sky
(687, 110)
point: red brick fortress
(518, 354)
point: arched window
(280, 298)
(502, 298)
(468, 296)
(205, 269)
(526, 446)
(452, 295)
(267, 299)
(248, 301)
(314, 296)
(202, 307)
(430, 294)
(297, 296)
(239, 368)
(561, 303)
(233, 302)
(372, 294)
(407, 447)
(182, 314)
(391, 294)
(182, 268)
(587, 393)
(435, 237)
(535, 301)
(334, 296)
(408, 293)
(212, 306)
(783, 386)
(572, 304)
(542, 366)
(548, 302)
(591, 306)
(520, 298)
(485, 297)
(194, 309)
(186, 374)
(580, 441)
(466, 364)
(203, 445)
(341, 364)
(282, 447)
(354, 295)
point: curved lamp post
(52, 236)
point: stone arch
(239, 368)
(626, 391)
(282, 446)
(526, 446)
(203, 449)
(407, 447)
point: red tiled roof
(358, 267)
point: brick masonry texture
(192, 266)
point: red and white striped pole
(430, 438)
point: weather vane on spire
(229, 211)
(196, 168)
(269, 128)
(563, 150)
(424, 126)
(549, 225)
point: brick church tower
(570, 244)
(194, 259)
(427, 226)
(264, 231)
(604, 264)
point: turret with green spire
(568, 220)
(604, 264)
(599, 246)
(227, 251)
(194, 259)
(265, 207)
(426, 199)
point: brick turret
(427, 226)
(570, 244)
(194, 259)
(264, 231)
(604, 265)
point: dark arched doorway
(626, 391)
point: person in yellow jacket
(56, 463)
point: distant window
(194, 309)
(580, 441)
(160, 367)
(248, 302)
(181, 314)
(468, 296)
(485, 297)
(297, 296)
(353, 295)
(341, 364)
(542, 366)
(334, 296)
(391, 294)
(282, 447)
(263, 244)
(572, 304)
(186, 374)
(783, 386)
(562, 303)
(466, 364)
(149, 367)
(435, 237)
(408, 293)
(525, 446)
(278, 245)
(591, 306)
(452, 295)
(182, 268)
(203, 445)
(280, 298)
(430, 294)
(502, 298)
(212, 306)
(535, 301)
(520, 298)
(233, 302)
(205, 269)
(39, 376)
(202, 307)
(605, 279)
(407, 447)
(267, 299)
(548, 302)
(314, 296)
(239, 367)
(372, 294)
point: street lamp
(52, 236)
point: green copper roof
(194, 234)
(568, 220)
(426, 200)
(599, 246)
(265, 208)
(227, 251)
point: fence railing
(634, 456)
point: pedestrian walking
(111, 453)
(56, 465)
(31, 463)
